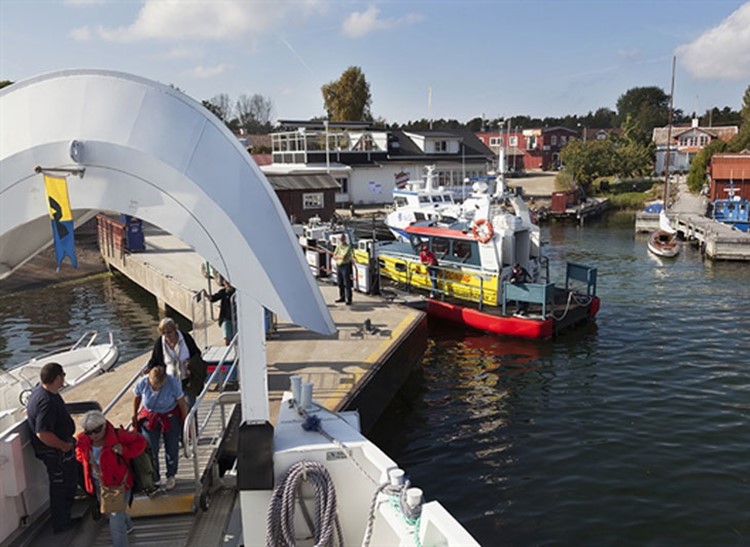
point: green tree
(645, 108)
(348, 99)
(697, 174)
(5, 83)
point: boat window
(465, 252)
(400, 201)
(419, 216)
(437, 199)
(424, 199)
(440, 247)
(418, 241)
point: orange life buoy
(482, 230)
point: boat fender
(482, 230)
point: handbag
(112, 498)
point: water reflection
(632, 431)
(50, 319)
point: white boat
(163, 169)
(421, 200)
(81, 361)
(663, 241)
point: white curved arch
(152, 152)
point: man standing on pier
(343, 258)
(54, 444)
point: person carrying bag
(105, 453)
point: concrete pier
(355, 368)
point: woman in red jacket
(104, 453)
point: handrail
(191, 430)
(124, 390)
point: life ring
(482, 230)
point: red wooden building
(727, 170)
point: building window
(496, 141)
(513, 141)
(562, 140)
(312, 201)
(441, 146)
(553, 140)
(344, 182)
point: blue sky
(479, 58)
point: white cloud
(81, 34)
(201, 72)
(172, 20)
(722, 52)
(359, 24)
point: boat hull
(662, 243)
(518, 327)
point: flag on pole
(61, 218)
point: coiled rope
(280, 517)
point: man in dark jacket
(53, 442)
(225, 296)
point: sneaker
(339, 300)
(170, 483)
(348, 303)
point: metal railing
(406, 263)
(191, 428)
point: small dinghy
(81, 361)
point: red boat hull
(518, 327)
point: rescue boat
(476, 256)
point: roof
(725, 133)
(474, 149)
(319, 181)
(731, 166)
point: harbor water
(631, 431)
(634, 431)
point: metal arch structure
(150, 151)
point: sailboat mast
(669, 139)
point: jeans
(119, 524)
(344, 275)
(433, 279)
(63, 472)
(171, 445)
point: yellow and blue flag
(61, 218)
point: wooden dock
(718, 241)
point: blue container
(134, 238)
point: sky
(452, 59)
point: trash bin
(134, 239)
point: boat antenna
(669, 139)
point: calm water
(632, 432)
(41, 321)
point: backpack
(142, 468)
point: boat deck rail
(412, 268)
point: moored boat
(81, 361)
(420, 200)
(663, 243)
(475, 262)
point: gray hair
(93, 419)
(167, 325)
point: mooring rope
(280, 517)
